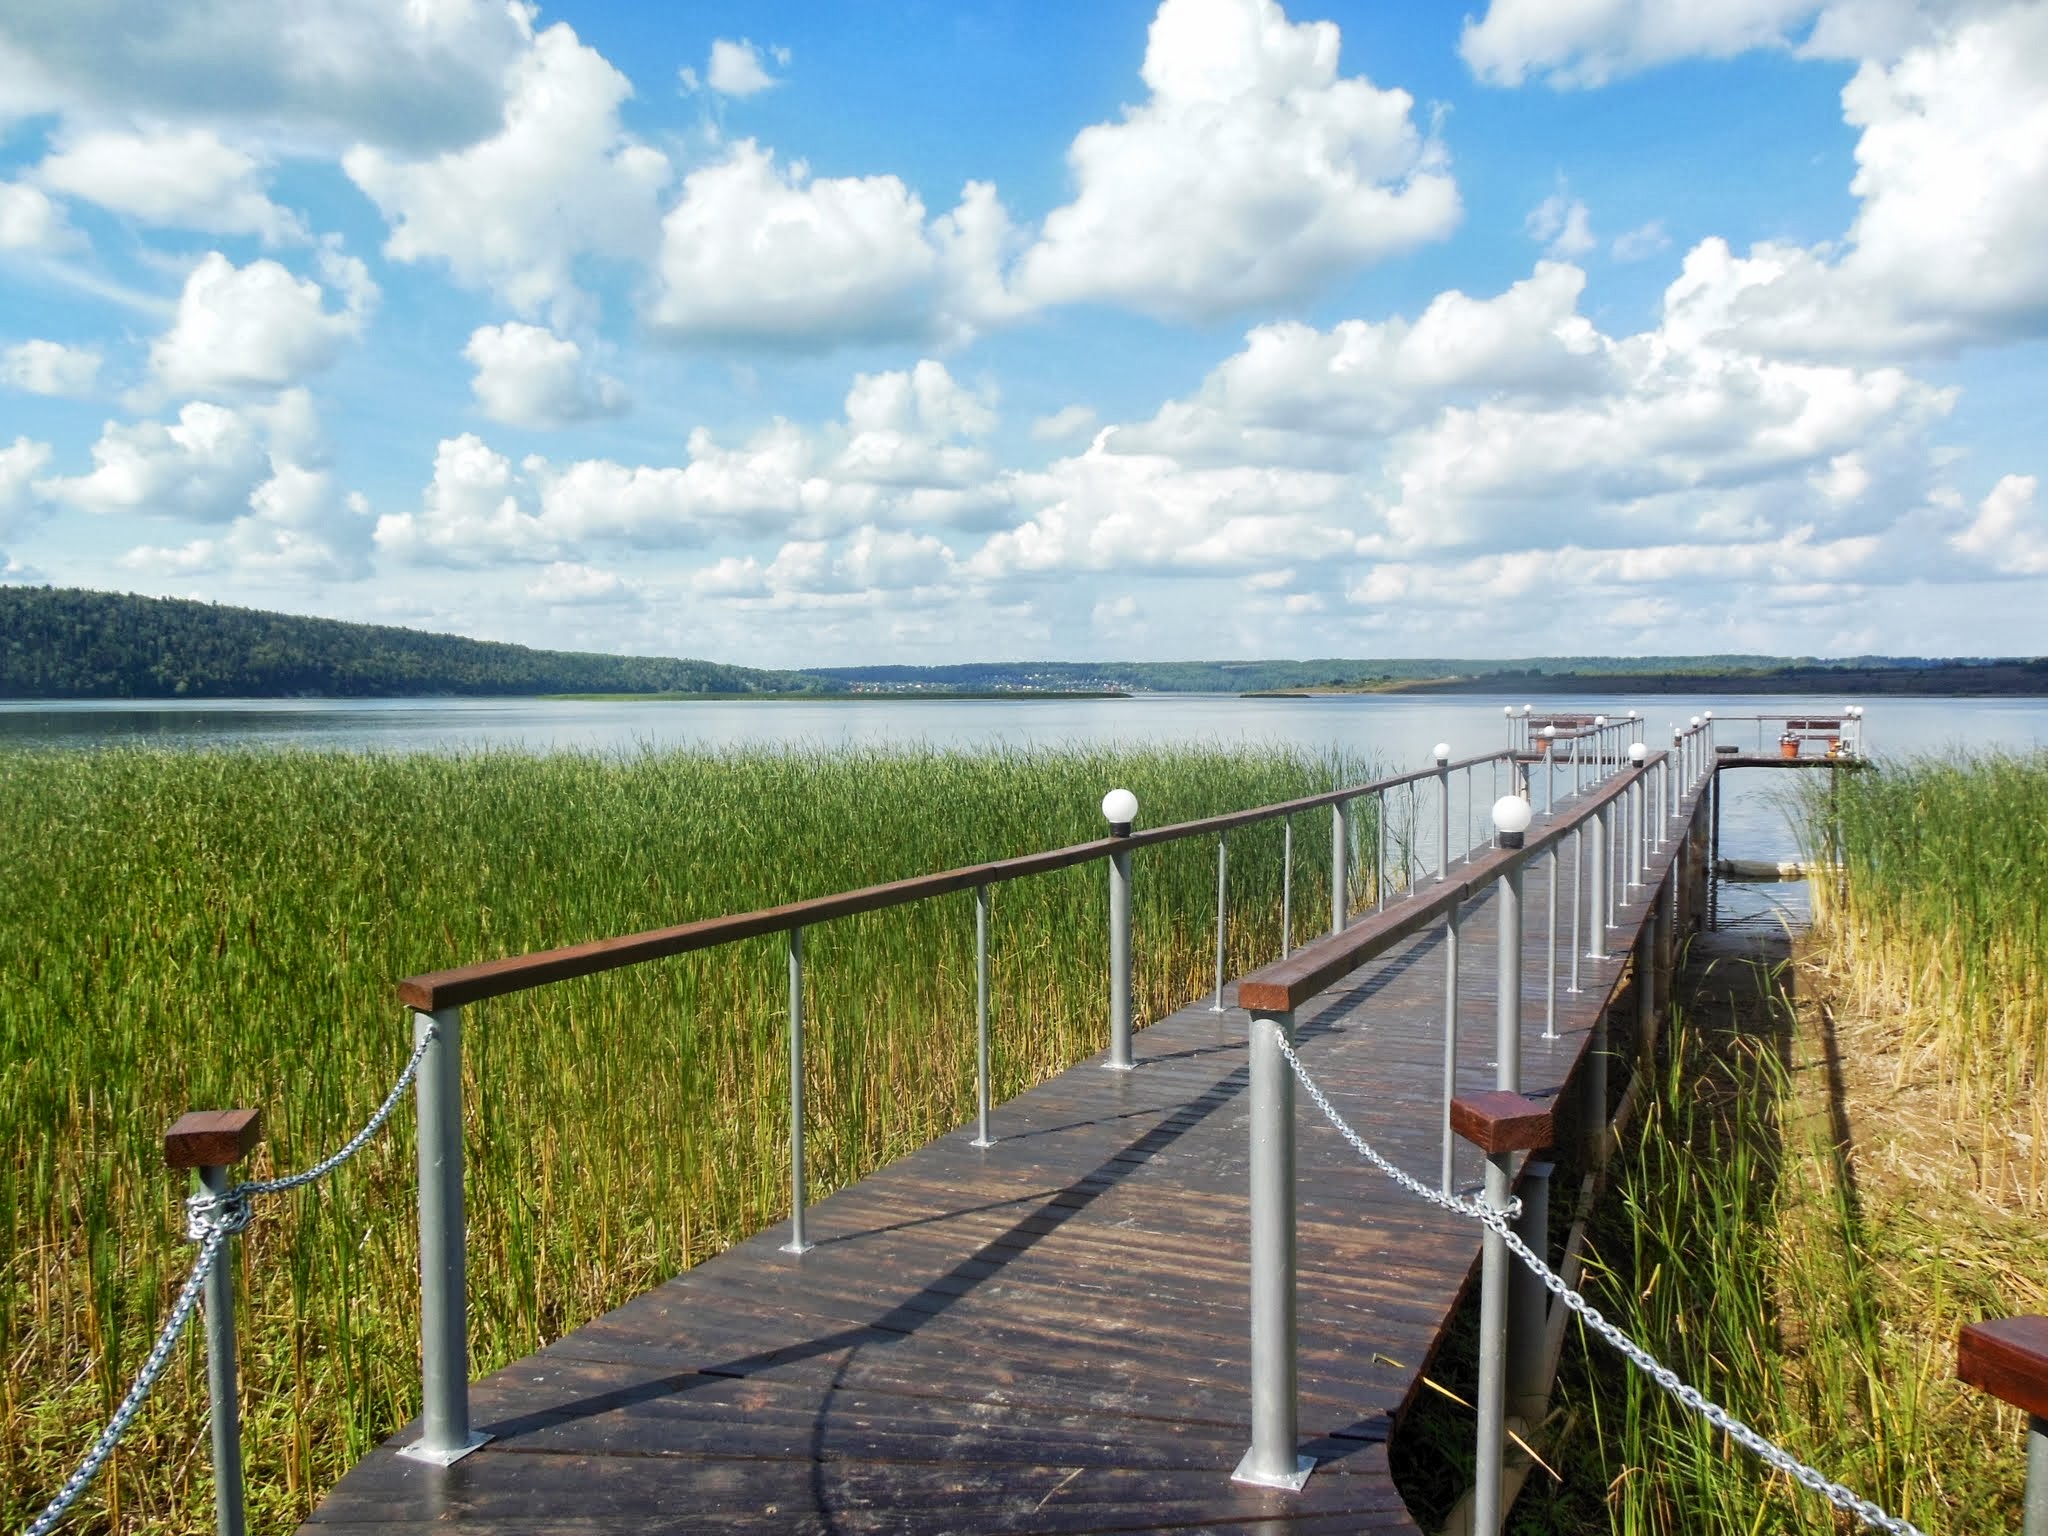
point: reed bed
(198, 930)
(1939, 924)
(1742, 1250)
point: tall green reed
(1939, 921)
(217, 929)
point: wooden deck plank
(1047, 1334)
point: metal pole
(1493, 1320)
(1646, 990)
(1379, 858)
(1273, 1460)
(2035, 1520)
(1443, 847)
(796, 1243)
(1528, 1301)
(1340, 865)
(1487, 1495)
(1452, 920)
(1507, 1033)
(1714, 855)
(1578, 901)
(1120, 960)
(1286, 886)
(982, 1138)
(1596, 894)
(1550, 953)
(1222, 912)
(222, 1393)
(445, 1435)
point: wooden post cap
(212, 1138)
(2007, 1357)
(1499, 1121)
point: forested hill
(64, 643)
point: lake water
(1398, 730)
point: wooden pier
(1050, 1333)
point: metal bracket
(419, 1450)
(1292, 1482)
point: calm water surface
(1399, 731)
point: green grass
(221, 929)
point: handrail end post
(445, 1434)
(210, 1142)
(1120, 1058)
(1274, 1460)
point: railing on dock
(1624, 815)
(437, 1000)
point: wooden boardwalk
(1049, 1334)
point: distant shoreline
(2016, 681)
(878, 696)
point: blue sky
(801, 334)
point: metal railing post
(1528, 1301)
(797, 1242)
(1340, 865)
(1494, 1277)
(1120, 960)
(1507, 1033)
(1550, 951)
(1578, 901)
(1452, 921)
(1443, 784)
(445, 1435)
(982, 1137)
(1379, 859)
(1596, 891)
(1286, 886)
(1274, 1460)
(1222, 912)
(223, 1394)
(210, 1143)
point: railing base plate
(1292, 1482)
(420, 1451)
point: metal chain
(210, 1220)
(159, 1355)
(1749, 1439)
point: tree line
(68, 643)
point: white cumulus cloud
(754, 251)
(1253, 174)
(250, 327)
(49, 368)
(178, 178)
(2010, 531)
(736, 69)
(29, 221)
(527, 376)
(1561, 224)
(559, 182)
(424, 74)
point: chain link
(1749, 1439)
(153, 1367)
(210, 1220)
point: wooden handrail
(467, 984)
(2008, 1358)
(1286, 984)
